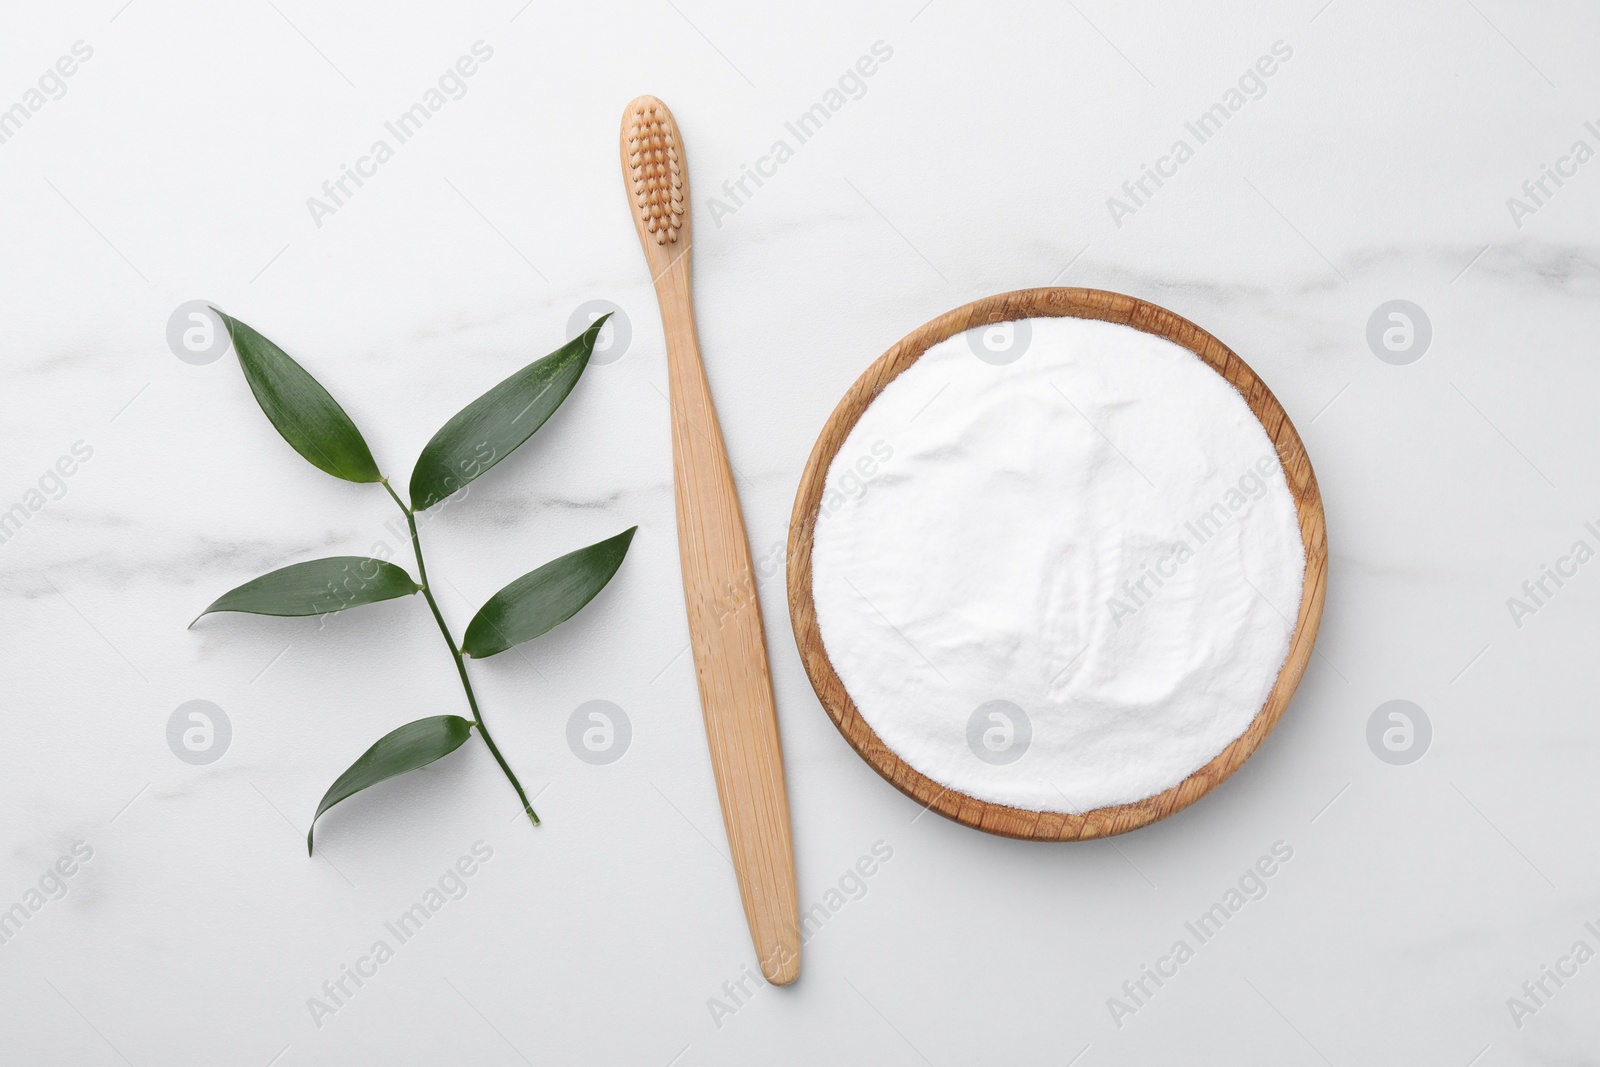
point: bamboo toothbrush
(719, 588)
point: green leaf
(300, 408)
(541, 599)
(318, 587)
(416, 744)
(490, 428)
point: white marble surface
(176, 166)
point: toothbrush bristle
(656, 171)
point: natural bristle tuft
(655, 171)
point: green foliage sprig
(479, 436)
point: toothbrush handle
(730, 653)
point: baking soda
(1076, 582)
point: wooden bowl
(1039, 303)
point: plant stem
(455, 654)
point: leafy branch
(479, 436)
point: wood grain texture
(730, 654)
(1033, 303)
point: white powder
(1070, 580)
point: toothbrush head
(652, 158)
